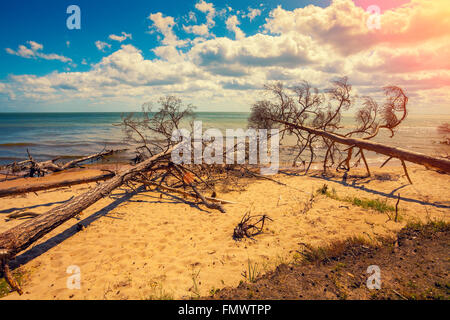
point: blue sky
(215, 54)
(44, 21)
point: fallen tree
(314, 119)
(35, 168)
(22, 236)
(151, 169)
(392, 152)
(47, 185)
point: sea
(72, 135)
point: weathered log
(46, 185)
(44, 167)
(394, 152)
(50, 165)
(22, 236)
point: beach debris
(4, 269)
(23, 235)
(49, 184)
(34, 168)
(396, 207)
(250, 226)
(147, 182)
(395, 218)
(155, 169)
(314, 117)
(309, 203)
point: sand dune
(142, 246)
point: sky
(218, 55)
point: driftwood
(153, 166)
(35, 168)
(314, 117)
(185, 193)
(22, 236)
(4, 268)
(52, 185)
(250, 226)
(393, 152)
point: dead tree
(154, 168)
(39, 169)
(314, 118)
(22, 236)
(37, 185)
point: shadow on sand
(361, 186)
(120, 198)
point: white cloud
(165, 25)
(232, 25)
(311, 43)
(200, 30)
(33, 51)
(209, 10)
(102, 45)
(253, 13)
(344, 25)
(121, 38)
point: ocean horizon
(69, 135)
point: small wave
(17, 144)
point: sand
(143, 246)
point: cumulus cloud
(121, 38)
(209, 10)
(165, 25)
(311, 43)
(232, 25)
(33, 51)
(291, 50)
(200, 30)
(344, 25)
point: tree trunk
(51, 185)
(406, 155)
(20, 237)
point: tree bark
(50, 166)
(22, 236)
(394, 152)
(51, 185)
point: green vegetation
(429, 227)
(160, 294)
(252, 272)
(377, 205)
(335, 249)
(4, 286)
(213, 291)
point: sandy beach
(144, 245)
